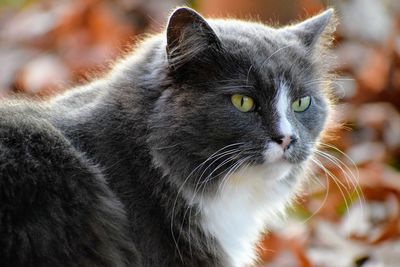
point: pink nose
(284, 141)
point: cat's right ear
(310, 31)
(188, 34)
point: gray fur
(119, 149)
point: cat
(182, 155)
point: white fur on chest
(250, 200)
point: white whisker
(335, 180)
(323, 201)
(354, 178)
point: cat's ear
(187, 34)
(310, 30)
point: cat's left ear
(188, 33)
(310, 30)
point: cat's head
(238, 94)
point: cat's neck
(246, 204)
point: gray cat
(180, 156)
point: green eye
(243, 103)
(301, 104)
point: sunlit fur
(198, 180)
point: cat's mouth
(274, 153)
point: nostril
(278, 139)
(285, 141)
(293, 139)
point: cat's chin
(268, 171)
(275, 170)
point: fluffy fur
(152, 165)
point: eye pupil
(243, 103)
(301, 104)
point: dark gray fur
(88, 176)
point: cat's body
(155, 158)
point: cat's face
(240, 94)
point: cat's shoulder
(49, 193)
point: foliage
(350, 213)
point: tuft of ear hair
(187, 34)
(310, 30)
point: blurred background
(350, 214)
